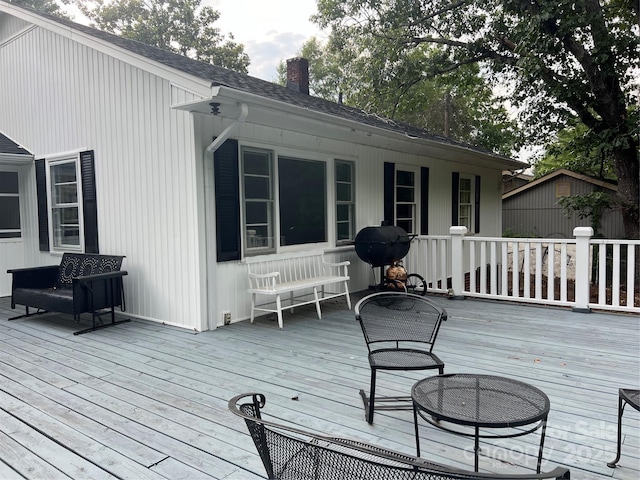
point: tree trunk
(628, 170)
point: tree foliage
(46, 6)
(579, 150)
(181, 26)
(560, 62)
(459, 105)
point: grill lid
(382, 245)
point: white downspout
(211, 295)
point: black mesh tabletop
(480, 400)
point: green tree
(560, 62)
(181, 26)
(458, 105)
(579, 150)
(46, 6)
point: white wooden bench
(300, 275)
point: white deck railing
(583, 272)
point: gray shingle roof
(246, 83)
(9, 147)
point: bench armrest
(344, 265)
(99, 277)
(35, 277)
(261, 281)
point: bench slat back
(292, 268)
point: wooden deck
(148, 401)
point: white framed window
(64, 195)
(9, 205)
(345, 201)
(466, 202)
(259, 202)
(406, 199)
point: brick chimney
(298, 75)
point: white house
(188, 168)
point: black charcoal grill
(380, 246)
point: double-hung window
(345, 201)
(65, 200)
(465, 203)
(406, 200)
(67, 203)
(258, 188)
(9, 205)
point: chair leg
(253, 306)
(279, 308)
(315, 295)
(372, 396)
(621, 406)
(346, 293)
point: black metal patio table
(480, 401)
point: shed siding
(535, 212)
(74, 97)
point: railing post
(583, 235)
(457, 256)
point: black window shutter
(424, 201)
(43, 214)
(226, 173)
(389, 185)
(477, 205)
(455, 198)
(89, 203)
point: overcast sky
(270, 30)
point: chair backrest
(399, 317)
(82, 264)
(291, 453)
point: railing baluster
(483, 267)
(538, 289)
(615, 280)
(504, 290)
(515, 277)
(494, 270)
(563, 272)
(472, 266)
(602, 273)
(551, 274)
(631, 268)
(527, 270)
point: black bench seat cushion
(51, 299)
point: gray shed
(532, 210)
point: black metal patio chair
(294, 454)
(400, 330)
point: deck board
(145, 400)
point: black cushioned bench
(82, 283)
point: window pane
(344, 231)
(343, 172)
(9, 182)
(256, 212)
(257, 187)
(407, 225)
(404, 211)
(465, 197)
(9, 213)
(405, 178)
(465, 184)
(65, 193)
(66, 229)
(256, 163)
(405, 194)
(343, 192)
(343, 212)
(303, 189)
